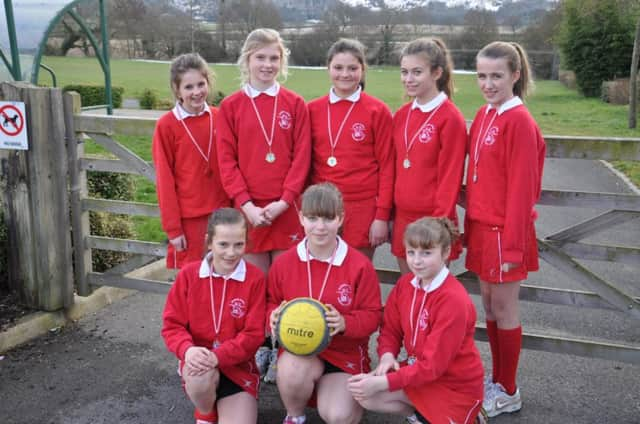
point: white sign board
(13, 126)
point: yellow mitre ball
(302, 327)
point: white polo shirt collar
(431, 104)
(509, 104)
(341, 252)
(254, 92)
(181, 113)
(334, 98)
(435, 283)
(239, 274)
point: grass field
(557, 110)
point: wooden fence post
(33, 185)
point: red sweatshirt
(444, 348)
(432, 183)
(352, 288)
(187, 185)
(510, 159)
(242, 147)
(364, 150)
(188, 321)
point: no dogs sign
(13, 127)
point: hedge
(93, 95)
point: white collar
(435, 283)
(254, 92)
(341, 252)
(509, 104)
(181, 113)
(431, 104)
(354, 97)
(238, 274)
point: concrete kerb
(39, 323)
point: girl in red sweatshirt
(429, 313)
(264, 148)
(351, 137)
(504, 180)
(430, 140)
(324, 267)
(213, 321)
(184, 156)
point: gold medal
(270, 158)
(332, 161)
(406, 164)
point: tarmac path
(112, 367)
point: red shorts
(195, 231)
(358, 216)
(400, 222)
(282, 234)
(484, 253)
(441, 405)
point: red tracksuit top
(242, 147)
(187, 318)
(432, 183)
(510, 162)
(364, 150)
(445, 350)
(352, 288)
(187, 186)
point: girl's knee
(339, 415)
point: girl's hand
(335, 321)
(199, 360)
(274, 210)
(254, 214)
(378, 232)
(387, 362)
(508, 266)
(179, 243)
(364, 386)
(275, 315)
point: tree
(124, 17)
(480, 28)
(596, 40)
(633, 78)
(252, 14)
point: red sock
(492, 333)
(211, 416)
(510, 344)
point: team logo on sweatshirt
(358, 132)
(426, 133)
(344, 294)
(424, 319)
(490, 136)
(238, 307)
(284, 119)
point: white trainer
(497, 401)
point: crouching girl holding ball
(429, 313)
(324, 267)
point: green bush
(148, 99)
(93, 95)
(596, 40)
(109, 185)
(215, 97)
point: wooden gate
(562, 249)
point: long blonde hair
(257, 39)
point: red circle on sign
(11, 125)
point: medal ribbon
(267, 138)
(414, 331)
(409, 144)
(217, 322)
(326, 275)
(334, 142)
(193, 140)
(480, 141)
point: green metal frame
(102, 52)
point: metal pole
(105, 56)
(13, 43)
